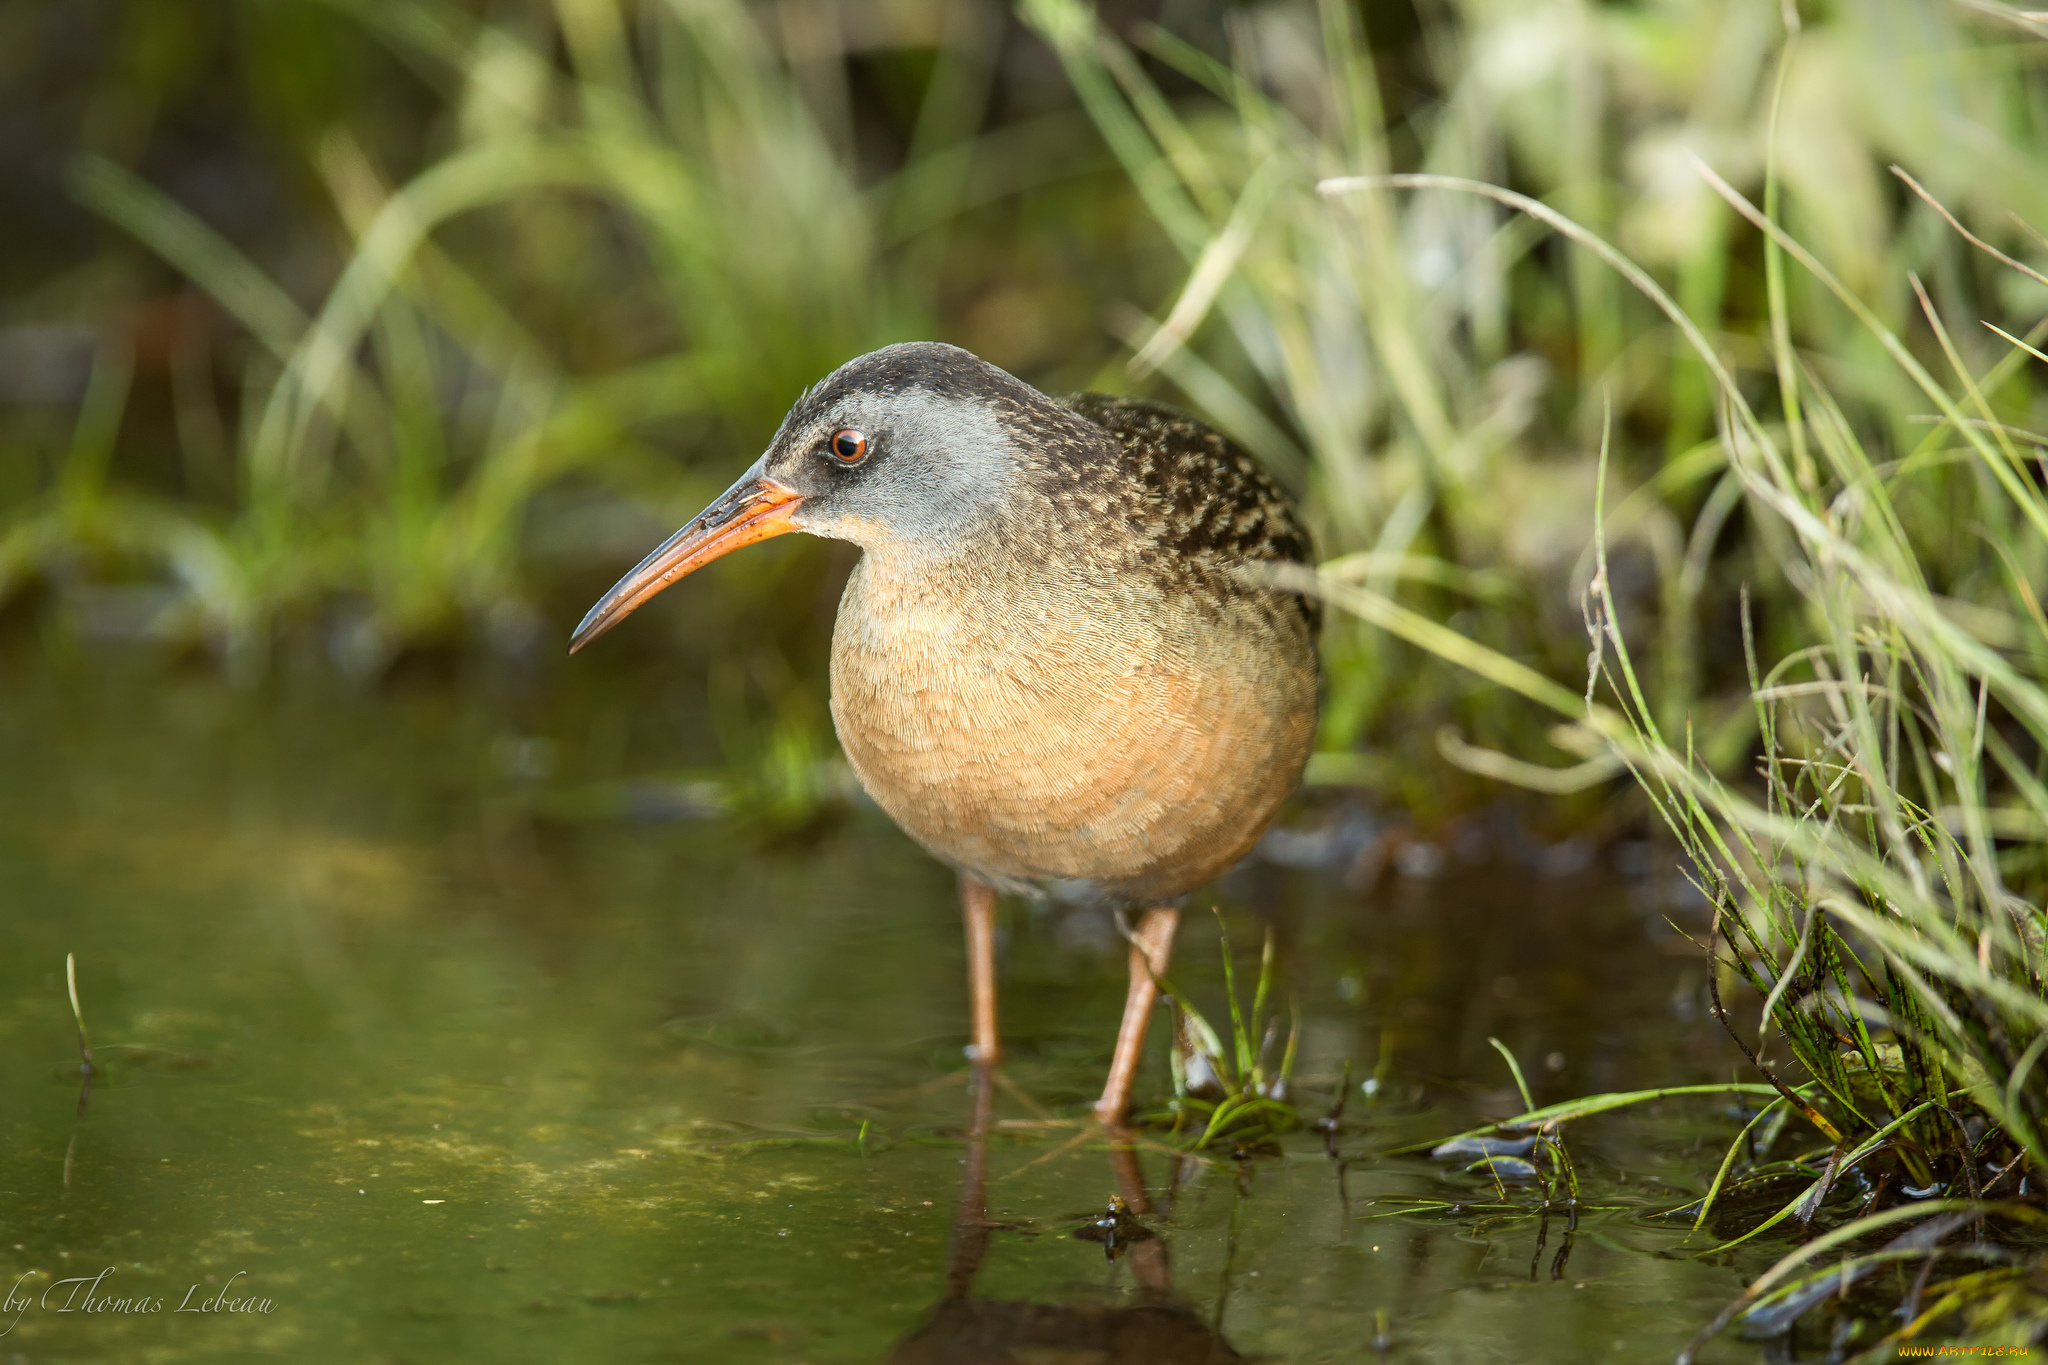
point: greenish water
(426, 1073)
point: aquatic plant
(1235, 1096)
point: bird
(1062, 656)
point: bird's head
(908, 448)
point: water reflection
(964, 1330)
(451, 1072)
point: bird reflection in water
(964, 1330)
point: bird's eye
(849, 447)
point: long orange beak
(752, 509)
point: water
(409, 1056)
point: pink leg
(1151, 946)
(978, 908)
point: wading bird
(1057, 658)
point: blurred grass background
(351, 332)
(374, 328)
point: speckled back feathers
(1200, 498)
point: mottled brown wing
(1213, 501)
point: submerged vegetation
(1644, 419)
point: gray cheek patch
(943, 463)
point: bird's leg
(978, 908)
(1151, 946)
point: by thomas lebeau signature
(91, 1294)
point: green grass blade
(1516, 1067)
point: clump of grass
(1866, 812)
(1869, 891)
(1232, 1097)
(1862, 887)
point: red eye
(849, 447)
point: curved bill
(753, 509)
